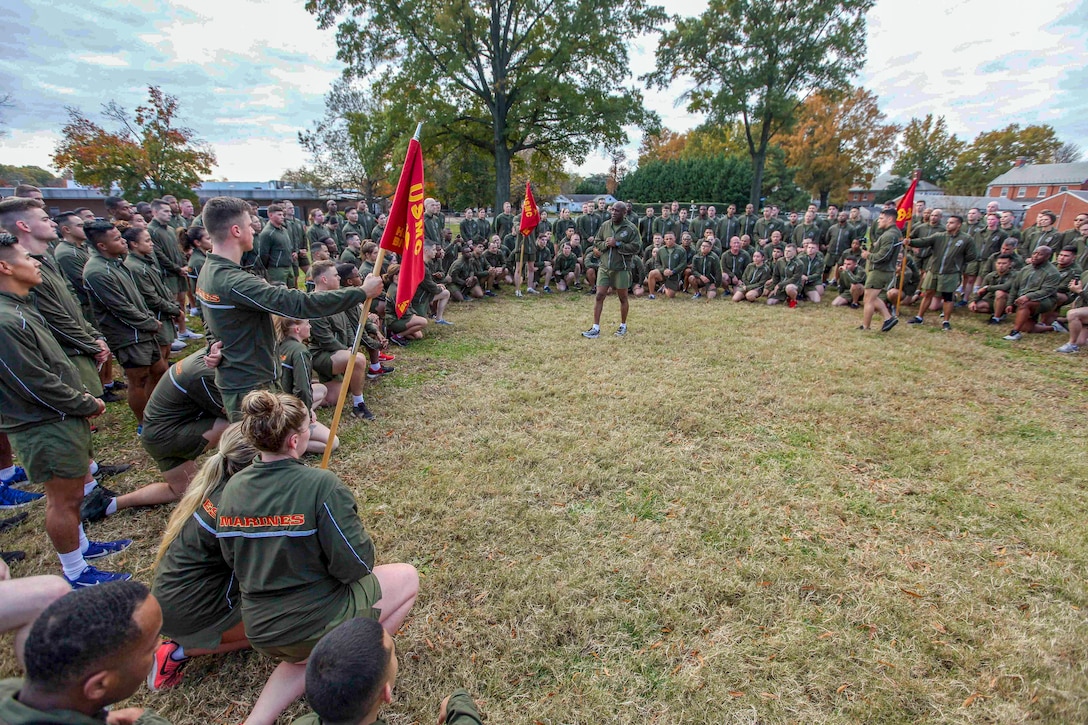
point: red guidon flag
(403, 233)
(530, 215)
(905, 211)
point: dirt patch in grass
(734, 514)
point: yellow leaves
(971, 699)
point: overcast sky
(251, 74)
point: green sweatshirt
(193, 584)
(333, 333)
(460, 710)
(460, 271)
(628, 243)
(565, 264)
(169, 255)
(884, 251)
(297, 367)
(1066, 275)
(812, 268)
(951, 253)
(847, 279)
(786, 273)
(186, 393)
(1036, 283)
(117, 303)
(71, 260)
(293, 537)
(755, 277)
(995, 283)
(38, 383)
(733, 265)
(13, 712)
(238, 309)
(708, 266)
(274, 247)
(160, 302)
(60, 308)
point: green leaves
(148, 156)
(758, 60)
(510, 77)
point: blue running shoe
(91, 577)
(100, 549)
(13, 498)
(18, 477)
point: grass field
(736, 514)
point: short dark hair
(96, 230)
(22, 190)
(7, 245)
(346, 270)
(81, 209)
(157, 204)
(1069, 249)
(222, 212)
(1005, 256)
(957, 217)
(62, 219)
(132, 235)
(113, 202)
(13, 208)
(273, 208)
(81, 629)
(141, 205)
(346, 671)
(889, 212)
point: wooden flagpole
(363, 315)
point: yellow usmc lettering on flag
(904, 214)
(415, 197)
(526, 207)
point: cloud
(263, 67)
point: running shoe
(102, 549)
(13, 498)
(167, 671)
(91, 577)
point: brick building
(1027, 182)
(1066, 205)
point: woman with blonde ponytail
(303, 560)
(197, 590)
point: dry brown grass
(735, 514)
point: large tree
(504, 76)
(758, 60)
(992, 153)
(353, 146)
(927, 145)
(839, 140)
(149, 155)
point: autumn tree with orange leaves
(838, 141)
(147, 156)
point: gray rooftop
(1035, 174)
(881, 182)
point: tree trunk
(824, 194)
(759, 160)
(502, 175)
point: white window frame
(1021, 192)
(1005, 191)
(1042, 192)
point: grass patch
(734, 514)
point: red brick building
(1066, 205)
(1027, 182)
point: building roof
(1036, 174)
(963, 203)
(1082, 195)
(583, 198)
(881, 182)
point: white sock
(623, 325)
(375, 367)
(83, 543)
(94, 468)
(89, 486)
(7, 472)
(179, 654)
(356, 400)
(595, 326)
(112, 508)
(72, 563)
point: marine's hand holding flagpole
(530, 217)
(403, 235)
(904, 216)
